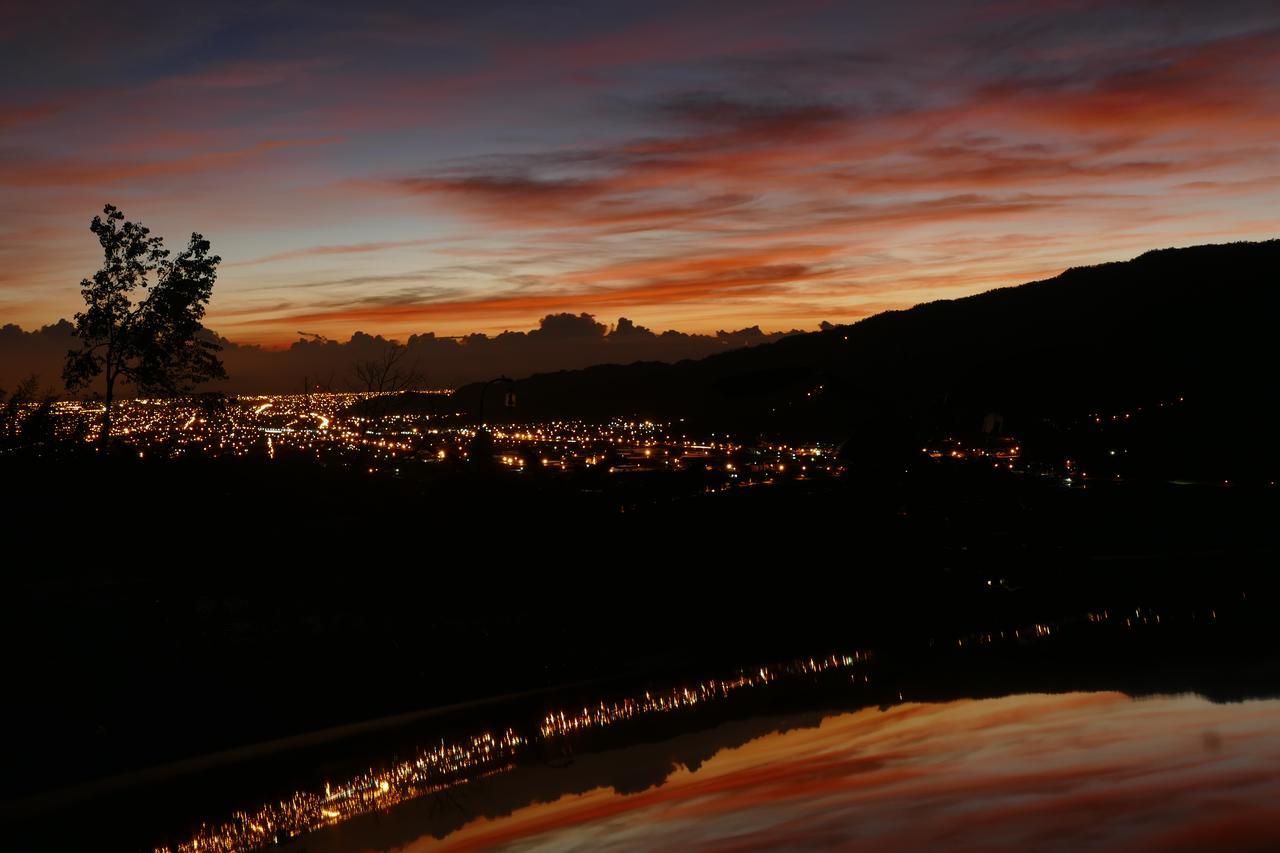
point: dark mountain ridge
(1192, 322)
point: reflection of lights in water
(605, 714)
(1064, 771)
(452, 763)
(431, 770)
(449, 764)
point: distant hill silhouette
(1197, 322)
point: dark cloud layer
(561, 341)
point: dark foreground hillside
(229, 603)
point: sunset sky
(696, 166)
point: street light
(482, 444)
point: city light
(339, 428)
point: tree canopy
(143, 311)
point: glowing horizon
(394, 172)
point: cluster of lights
(1002, 450)
(1141, 616)
(339, 428)
(609, 713)
(1036, 631)
(1006, 452)
(305, 811)
(315, 424)
(1129, 619)
(1129, 414)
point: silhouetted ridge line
(1192, 321)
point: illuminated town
(364, 431)
(414, 434)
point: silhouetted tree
(388, 372)
(153, 342)
(212, 406)
(26, 415)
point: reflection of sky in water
(1064, 771)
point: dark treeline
(260, 601)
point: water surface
(1067, 771)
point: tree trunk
(106, 415)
